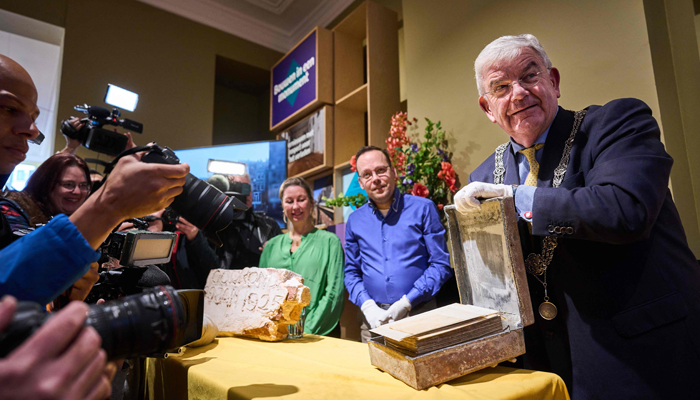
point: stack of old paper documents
(440, 328)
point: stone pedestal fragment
(255, 302)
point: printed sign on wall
(299, 80)
(307, 148)
(294, 80)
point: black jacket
(626, 284)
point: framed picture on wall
(323, 187)
(310, 144)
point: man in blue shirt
(395, 254)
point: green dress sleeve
(325, 313)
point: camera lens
(200, 203)
(145, 323)
(152, 322)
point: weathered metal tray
(487, 258)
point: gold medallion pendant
(548, 311)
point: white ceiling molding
(273, 6)
(238, 23)
(322, 15)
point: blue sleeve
(523, 200)
(40, 266)
(439, 269)
(353, 268)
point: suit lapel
(554, 146)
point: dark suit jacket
(625, 282)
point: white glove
(398, 310)
(466, 199)
(373, 313)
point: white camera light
(121, 98)
(226, 167)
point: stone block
(255, 302)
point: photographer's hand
(72, 144)
(187, 228)
(130, 142)
(133, 189)
(84, 285)
(62, 360)
(157, 224)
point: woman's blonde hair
(297, 182)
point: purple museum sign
(294, 80)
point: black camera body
(200, 203)
(136, 251)
(94, 137)
(170, 219)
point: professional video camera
(151, 323)
(92, 136)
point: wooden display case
(366, 82)
(490, 271)
(320, 161)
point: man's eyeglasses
(37, 140)
(502, 89)
(70, 186)
(380, 172)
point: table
(319, 367)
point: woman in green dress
(315, 254)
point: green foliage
(357, 200)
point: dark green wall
(240, 117)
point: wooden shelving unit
(366, 83)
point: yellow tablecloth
(318, 367)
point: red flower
(397, 139)
(440, 206)
(353, 164)
(449, 176)
(420, 190)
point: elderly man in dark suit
(609, 269)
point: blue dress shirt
(403, 253)
(525, 195)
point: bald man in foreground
(63, 359)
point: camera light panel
(121, 98)
(144, 248)
(226, 167)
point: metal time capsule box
(488, 263)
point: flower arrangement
(423, 168)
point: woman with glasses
(59, 186)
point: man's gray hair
(504, 49)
